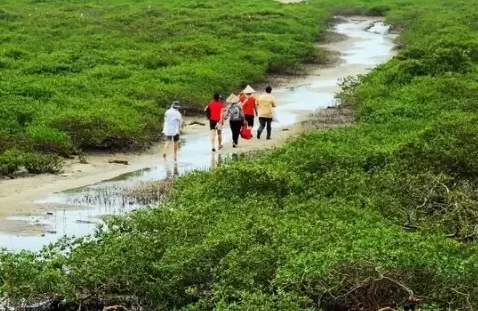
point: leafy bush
(45, 139)
(10, 162)
(4, 142)
(40, 164)
(448, 146)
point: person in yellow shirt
(265, 105)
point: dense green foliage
(91, 74)
(319, 222)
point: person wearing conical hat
(248, 105)
(231, 98)
(236, 118)
(248, 90)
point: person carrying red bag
(249, 105)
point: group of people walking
(240, 111)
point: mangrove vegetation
(381, 215)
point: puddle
(365, 47)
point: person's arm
(179, 124)
(228, 113)
(222, 115)
(207, 110)
(274, 102)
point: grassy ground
(380, 214)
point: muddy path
(39, 210)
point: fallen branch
(408, 226)
(197, 123)
(118, 162)
(467, 298)
(411, 295)
(468, 238)
(366, 294)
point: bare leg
(176, 147)
(165, 148)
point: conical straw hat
(233, 98)
(248, 90)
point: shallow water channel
(364, 48)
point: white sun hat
(233, 98)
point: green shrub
(4, 64)
(45, 139)
(448, 146)
(120, 129)
(4, 142)
(6, 16)
(10, 162)
(40, 164)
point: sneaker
(269, 138)
(213, 150)
(220, 147)
(234, 145)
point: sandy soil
(17, 196)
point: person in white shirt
(172, 128)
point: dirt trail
(360, 48)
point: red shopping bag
(246, 132)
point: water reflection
(172, 172)
(216, 160)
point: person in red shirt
(215, 114)
(249, 105)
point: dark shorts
(249, 119)
(212, 124)
(175, 138)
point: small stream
(364, 48)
